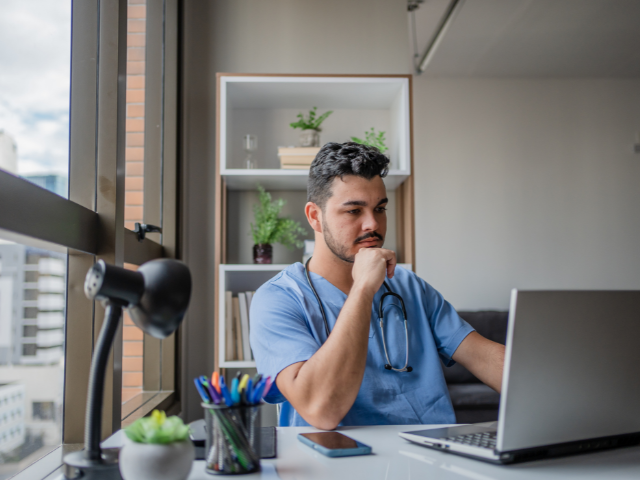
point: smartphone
(334, 444)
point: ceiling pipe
(446, 21)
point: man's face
(355, 216)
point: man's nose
(370, 223)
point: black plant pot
(262, 253)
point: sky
(35, 66)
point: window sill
(145, 402)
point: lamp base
(77, 466)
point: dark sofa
(472, 400)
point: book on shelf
(229, 328)
(297, 158)
(237, 326)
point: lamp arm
(93, 420)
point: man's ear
(314, 216)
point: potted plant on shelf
(269, 228)
(157, 447)
(372, 139)
(310, 135)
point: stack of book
(298, 158)
(237, 345)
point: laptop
(570, 382)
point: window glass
(35, 61)
(134, 156)
(32, 320)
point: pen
(235, 395)
(225, 392)
(256, 378)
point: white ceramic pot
(141, 461)
(310, 138)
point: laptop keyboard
(482, 440)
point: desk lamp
(157, 296)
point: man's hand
(370, 267)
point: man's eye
(381, 209)
(354, 211)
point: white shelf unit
(265, 105)
(239, 278)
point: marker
(215, 396)
(243, 383)
(225, 392)
(215, 379)
(203, 394)
(235, 395)
(249, 390)
(267, 387)
(257, 392)
(256, 378)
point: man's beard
(342, 251)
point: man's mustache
(369, 235)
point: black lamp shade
(167, 289)
(157, 295)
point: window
(73, 167)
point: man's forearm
(326, 385)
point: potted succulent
(310, 126)
(269, 228)
(372, 139)
(157, 447)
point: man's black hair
(340, 159)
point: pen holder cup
(233, 439)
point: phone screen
(331, 440)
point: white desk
(395, 458)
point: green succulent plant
(310, 123)
(372, 139)
(269, 227)
(158, 429)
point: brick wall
(134, 179)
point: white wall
(527, 184)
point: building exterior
(54, 183)
(32, 304)
(32, 313)
(12, 416)
(8, 153)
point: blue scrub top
(287, 327)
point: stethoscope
(388, 293)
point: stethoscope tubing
(389, 292)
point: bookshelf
(264, 105)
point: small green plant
(157, 428)
(372, 139)
(311, 123)
(269, 228)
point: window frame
(89, 226)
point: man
(343, 378)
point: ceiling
(533, 38)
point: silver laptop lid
(571, 367)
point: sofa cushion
(473, 394)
